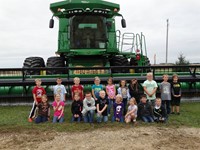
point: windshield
(88, 32)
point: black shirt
(102, 103)
(76, 107)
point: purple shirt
(118, 110)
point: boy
(150, 86)
(165, 90)
(60, 89)
(102, 104)
(77, 89)
(38, 91)
(159, 111)
(76, 108)
(145, 110)
(88, 108)
(176, 94)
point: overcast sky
(24, 28)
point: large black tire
(55, 62)
(119, 61)
(33, 62)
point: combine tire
(55, 62)
(33, 62)
(119, 61)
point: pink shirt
(111, 90)
(59, 110)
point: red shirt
(77, 89)
(38, 91)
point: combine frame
(16, 83)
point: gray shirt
(60, 89)
(165, 88)
(89, 104)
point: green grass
(14, 119)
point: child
(132, 111)
(60, 89)
(159, 111)
(38, 91)
(102, 104)
(77, 89)
(165, 90)
(43, 110)
(111, 92)
(124, 91)
(96, 88)
(58, 107)
(176, 95)
(134, 90)
(88, 108)
(118, 108)
(150, 86)
(145, 110)
(76, 108)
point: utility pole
(167, 41)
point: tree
(182, 60)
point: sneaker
(30, 120)
(172, 113)
(178, 113)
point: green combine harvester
(87, 38)
(89, 45)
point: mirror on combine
(123, 21)
(51, 23)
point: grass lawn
(15, 119)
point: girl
(111, 92)
(76, 108)
(96, 88)
(58, 107)
(118, 107)
(134, 90)
(176, 94)
(124, 91)
(43, 110)
(132, 111)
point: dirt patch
(132, 138)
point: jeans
(88, 117)
(76, 119)
(151, 102)
(166, 104)
(55, 119)
(110, 105)
(147, 119)
(120, 119)
(41, 119)
(101, 117)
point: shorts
(176, 101)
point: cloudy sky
(24, 28)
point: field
(181, 132)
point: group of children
(112, 100)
